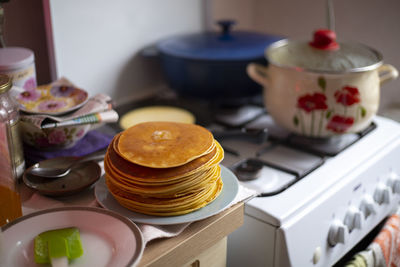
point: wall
(372, 22)
(98, 42)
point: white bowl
(108, 239)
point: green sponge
(58, 243)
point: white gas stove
(314, 204)
(317, 197)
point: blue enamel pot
(213, 64)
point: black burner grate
(327, 146)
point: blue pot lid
(225, 45)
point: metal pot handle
(387, 73)
(258, 73)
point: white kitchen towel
(33, 201)
(151, 232)
(357, 261)
(364, 258)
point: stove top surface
(334, 171)
(270, 159)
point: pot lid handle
(226, 26)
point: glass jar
(12, 163)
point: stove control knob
(354, 218)
(394, 182)
(338, 233)
(367, 206)
(382, 194)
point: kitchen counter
(202, 243)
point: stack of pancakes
(164, 168)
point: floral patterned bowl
(52, 99)
(52, 139)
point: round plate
(108, 239)
(226, 197)
(81, 177)
(156, 113)
(52, 100)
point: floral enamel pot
(322, 92)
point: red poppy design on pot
(340, 124)
(308, 102)
(347, 96)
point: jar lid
(330, 57)
(224, 45)
(15, 57)
(5, 83)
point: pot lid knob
(324, 39)
(226, 26)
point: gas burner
(249, 169)
(266, 180)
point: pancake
(158, 182)
(164, 168)
(115, 145)
(158, 175)
(193, 183)
(155, 113)
(164, 144)
(168, 207)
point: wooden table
(202, 243)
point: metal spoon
(58, 172)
